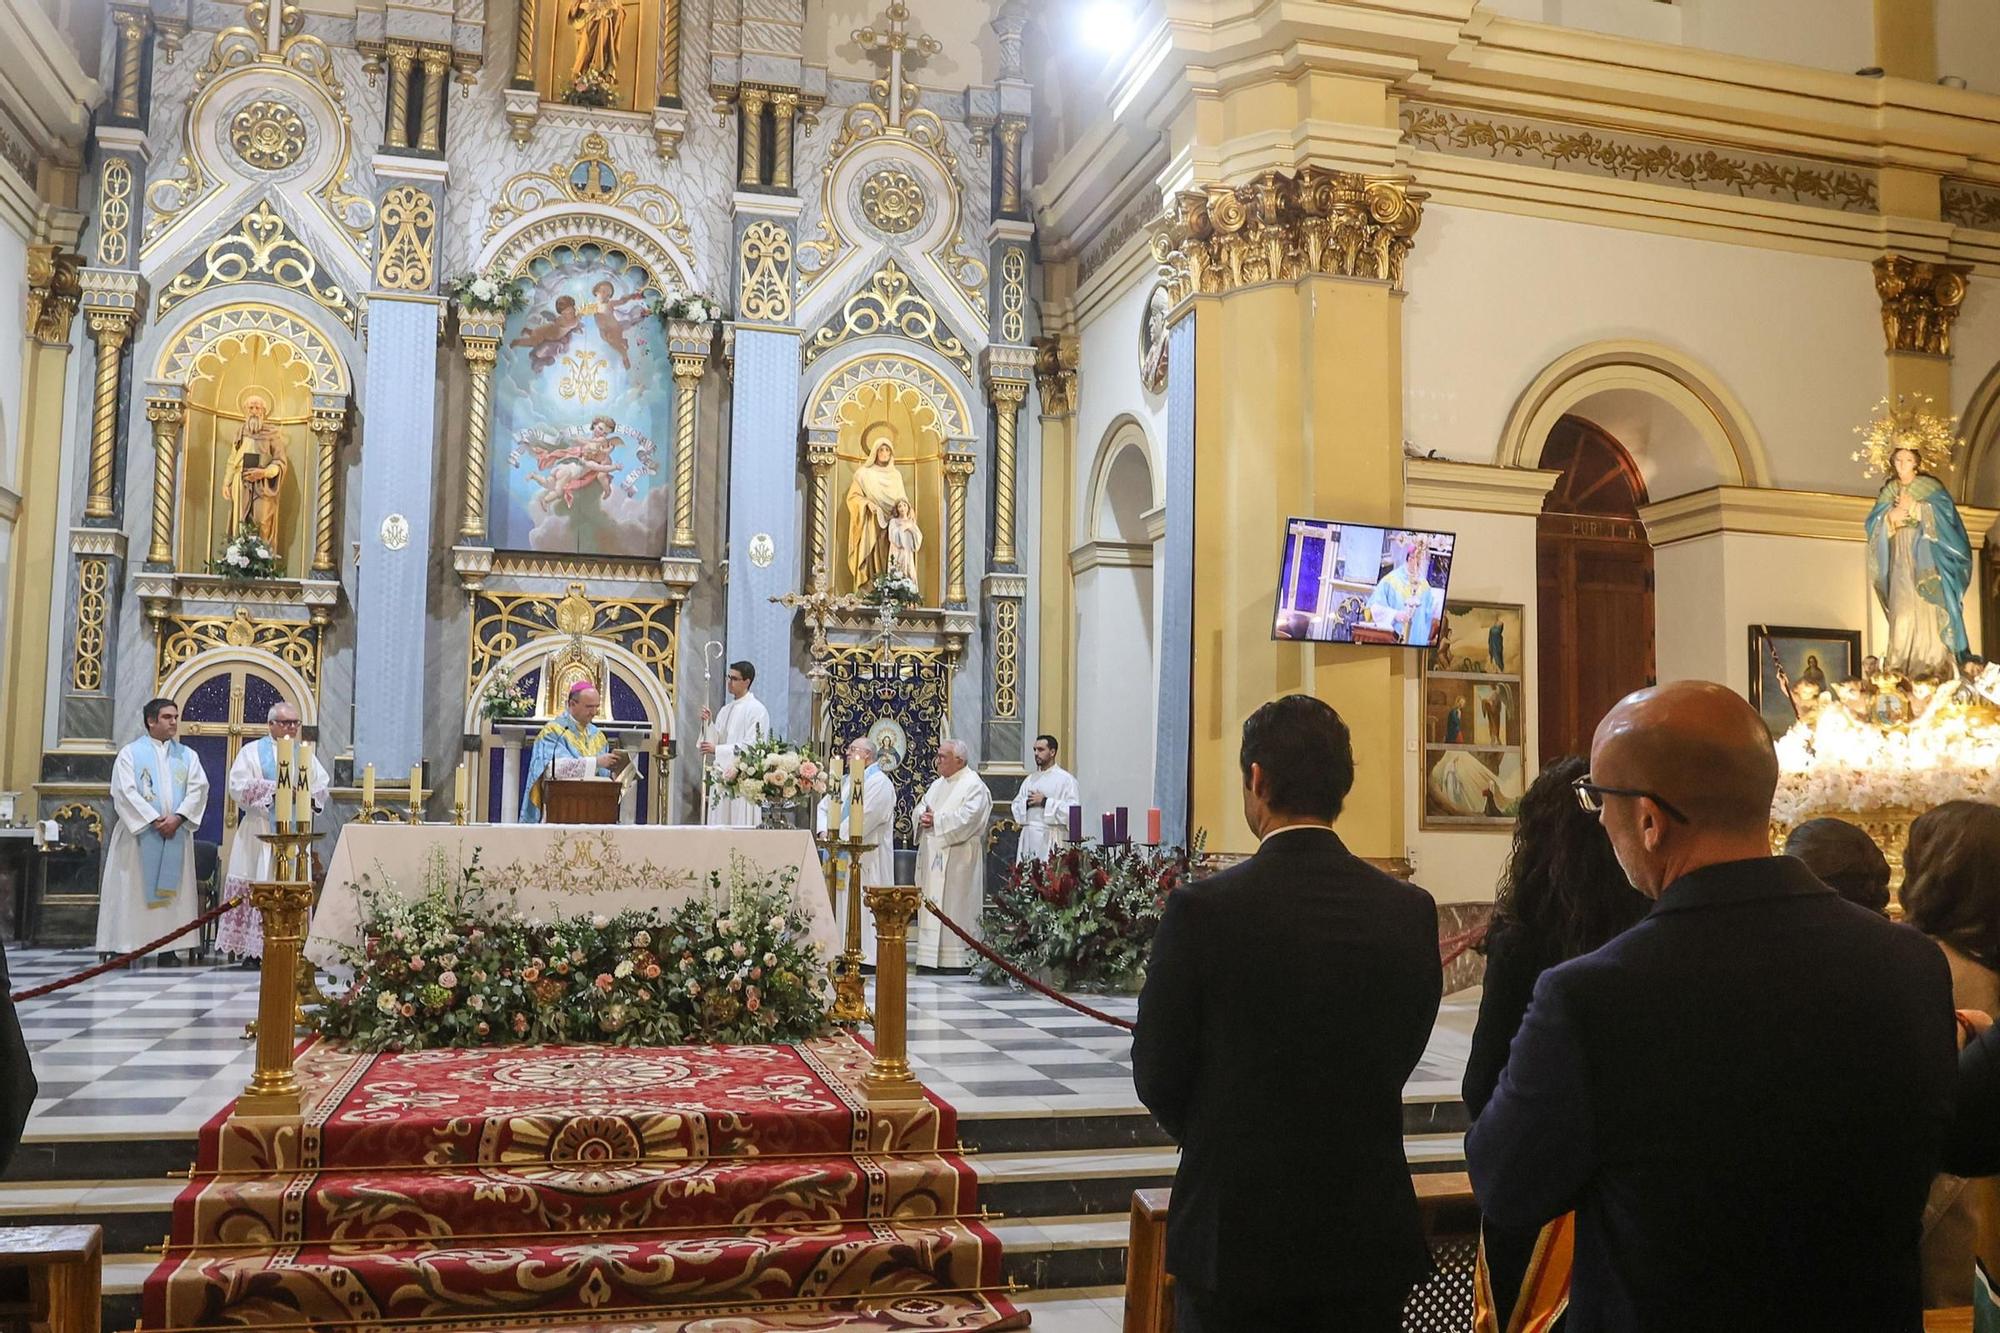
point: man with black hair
(158, 792)
(1043, 803)
(1301, 978)
(742, 721)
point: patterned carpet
(719, 1189)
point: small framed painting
(1474, 718)
(1783, 656)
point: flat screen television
(1357, 583)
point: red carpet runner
(691, 1189)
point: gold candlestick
(850, 988)
(285, 901)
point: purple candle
(1076, 823)
(1124, 830)
(1110, 828)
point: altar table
(551, 870)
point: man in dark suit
(17, 1073)
(1743, 1096)
(1286, 1002)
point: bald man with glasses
(1743, 1097)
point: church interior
(1024, 392)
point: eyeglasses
(1591, 796)
(286, 724)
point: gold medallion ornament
(267, 135)
(892, 200)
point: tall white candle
(368, 787)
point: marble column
(1175, 571)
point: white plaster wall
(1495, 298)
(1824, 34)
(1113, 750)
(1968, 42)
(1495, 562)
(1108, 388)
(1710, 590)
(1975, 345)
(13, 296)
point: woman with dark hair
(1561, 896)
(1951, 892)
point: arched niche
(1682, 426)
(1116, 633)
(1977, 478)
(225, 696)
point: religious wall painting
(1474, 718)
(583, 394)
(889, 490)
(1153, 339)
(1782, 655)
(248, 456)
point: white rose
(484, 289)
(777, 922)
(714, 955)
(386, 1002)
(624, 969)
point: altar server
(878, 828)
(569, 748)
(951, 857)
(1043, 804)
(158, 791)
(253, 780)
(742, 721)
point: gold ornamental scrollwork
(766, 275)
(406, 261)
(890, 303)
(1920, 302)
(1056, 357)
(267, 135)
(260, 246)
(892, 199)
(1013, 294)
(114, 212)
(502, 622)
(93, 584)
(294, 642)
(589, 178)
(1006, 660)
(1278, 227)
(55, 286)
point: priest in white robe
(878, 828)
(158, 792)
(1042, 805)
(742, 721)
(253, 782)
(951, 857)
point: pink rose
(808, 770)
(416, 962)
(483, 1029)
(652, 971)
(604, 982)
(447, 979)
(753, 1004)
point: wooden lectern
(580, 800)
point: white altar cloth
(553, 870)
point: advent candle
(1110, 829)
(1153, 826)
(416, 788)
(368, 787)
(1076, 823)
(1124, 830)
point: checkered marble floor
(155, 1052)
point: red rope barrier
(1450, 949)
(112, 964)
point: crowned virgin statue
(1919, 557)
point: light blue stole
(161, 859)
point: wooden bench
(51, 1278)
(1957, 1320)
(1444, 1198)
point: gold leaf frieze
(407, 262)
(1641, 158)
(889, 303)
(1970, 204)
(502, 622)
(293, 642)
(1013, 294)
(260, 247)
(766, 273)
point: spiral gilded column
(133, 29)
(819, 455)
(437, 64)
(481, 344)
(750, 103)
(524, 42)
(326, 425)
(402, 59)
(1008, 395)
(110, 329)
(1011, 130)
(166, 416)
(688, 368)
(957, 471)
(784, 106)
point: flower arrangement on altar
(247, 556)
(1890, 743)
(491, 292)
(892, 586)
(769, 771)
(454, 968)
(691, 306)
(593, 87)
(1084, 919)
(501, 700)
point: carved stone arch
(206, 330)
(265, 127)
(512, 246)
(516, 662)
(206, 663)
(1125, 434)
(1979, 427)
(935, 384)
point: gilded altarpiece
(620, 55)
(249, 401)
(900, 700)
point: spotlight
(1105, 26)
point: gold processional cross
(821, 607)
(895, 38)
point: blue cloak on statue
(1940, 567)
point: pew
(51, 1278)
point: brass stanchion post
(889, 1078)
(850, 988)
(284, 901)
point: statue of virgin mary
(1919, 560)
(872, 498)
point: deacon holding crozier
(878, 829)
(1043, 804)
(951, 857)
(158, 791)
(569, 748)
(743, 721)
(253, 783)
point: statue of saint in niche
(876, 498)
(599, 24)
(258, 465)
